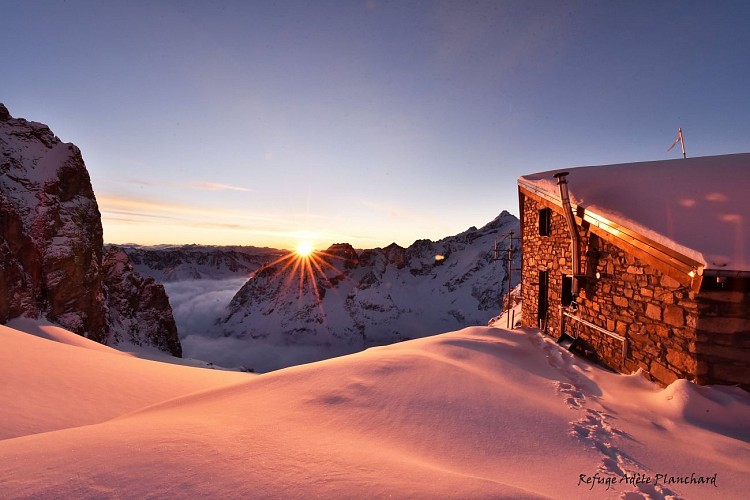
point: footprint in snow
(595, 429)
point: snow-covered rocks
(50, 230)
(51, 239)
(139, 309)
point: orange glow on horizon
(304, 248)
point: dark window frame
(545, 221)
(543, 297)
(566, 294)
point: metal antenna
(681, 140)
(509, 271)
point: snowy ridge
(138, 308)
(347, 300)
(478, 413)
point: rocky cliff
(51, 252)
(138, 307)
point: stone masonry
(671, 332)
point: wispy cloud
(199, 185)
(147, 220)
(140, 182)
(134, 215)
(145, 207)
(214, 186)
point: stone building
(643, 265)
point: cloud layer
(197, 306)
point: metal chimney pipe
(562, 183)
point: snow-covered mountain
(342, 300)
(167, 263)
(51, 253)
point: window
(542, 303)
(566, 297)
(545, 221)
(725, 284)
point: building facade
(635, 301)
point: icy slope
(478, 413)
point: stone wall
(655, 312)
(723, 335)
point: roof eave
(673, 263)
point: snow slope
(478, 413)
(65, 380)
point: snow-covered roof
(699, 207)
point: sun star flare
(304, 248)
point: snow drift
(478, 413)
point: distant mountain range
(293, 310)
(167, 263)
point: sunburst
(305, 265)
(304, 248)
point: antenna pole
(510, 271)
(506, 306)
(682, 142)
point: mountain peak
(504, 218)
(352, 301)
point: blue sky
(263, 123)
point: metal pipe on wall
(562, 183)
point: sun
(304, 248)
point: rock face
(341, 300)
(50, 232)
(139, 309)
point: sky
(366, 121)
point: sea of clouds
(198, 306)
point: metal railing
(614, 335)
